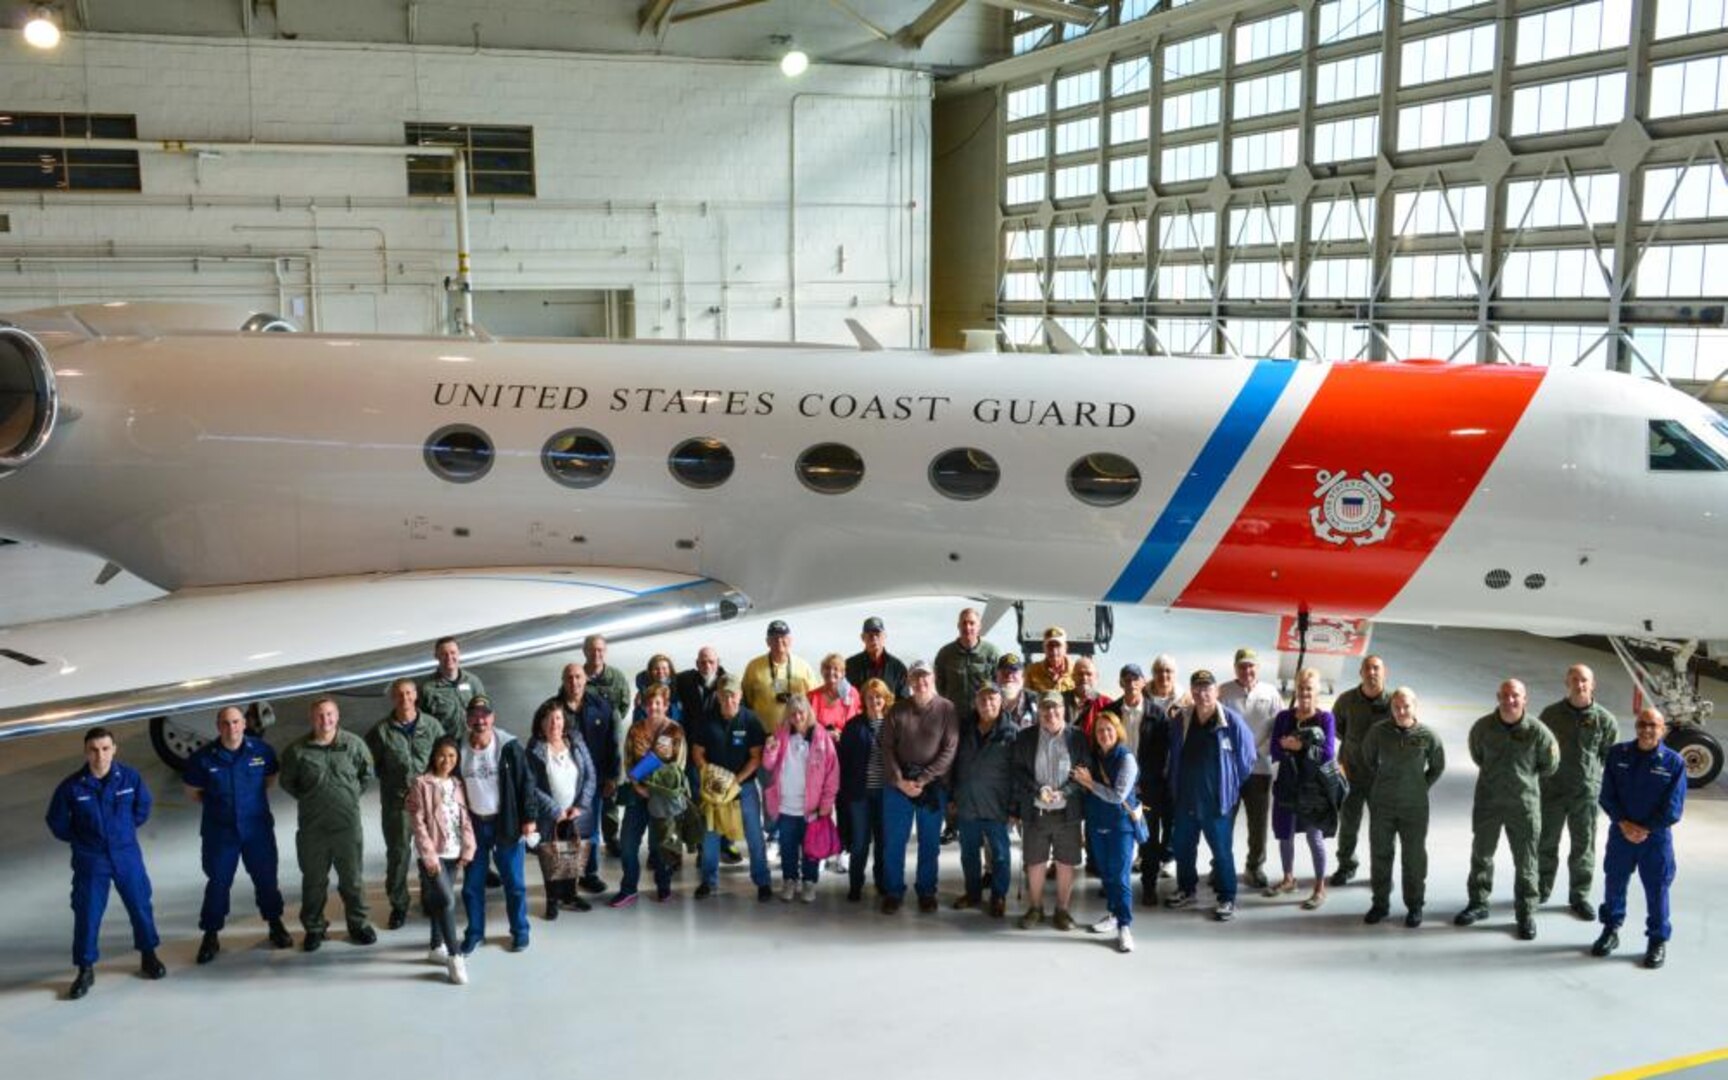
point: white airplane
(320, 506)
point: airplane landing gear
(1670, 684)
(176, 738)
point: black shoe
(279, 937)
(1413, 918)
(1256, 878)
(730, 855)
(1470, 916)
(209, 947)
(613, 850)
(362, 935)
(1543, 893)
(591, 883)
(1526, 928)
(1656, 955)
(551, 910)
(398, 919)
(575, 903)
(1583, 910)
(493, 881)
(1606, 943)
(151, 967)
(855, 896)
(950, 835)
(927, 904)
(81, 983)
(1342, 875)
(469, 944)
(704, 891)
(764, 893)
(890, 905)
(519, 944)
(312, 940)
(1376, 914)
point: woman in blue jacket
(1111, 809)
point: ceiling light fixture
(794, 61)
(42, 31)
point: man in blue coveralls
(231, 777)
(98, 810)
(1643, 794)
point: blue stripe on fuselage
(1194, 495)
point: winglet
(1060, 341)
(866, 343)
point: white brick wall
(674, 178)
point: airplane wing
(205, 648)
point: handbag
(821, 839)
(562, 860)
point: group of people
(837, 766)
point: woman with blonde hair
(862, 781)
(1304, 743)
(1113, 820)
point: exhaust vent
(29, 403)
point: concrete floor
(734, 988)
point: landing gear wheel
(174, 743)
(1701, 753)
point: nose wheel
(175, 740)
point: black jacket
(983, 776)
(1026, 773)
(516, 802)
(599, 734)
(893, 672)
(695, 699)
(856, 742)
(1152, 751)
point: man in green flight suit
(325, 771)
(1513, 752)
(1585, 731)
(447, 691)
(401, 746)
(614, 686)
(1396, 765)
(1356, 712)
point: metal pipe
(464, 280)
(184, 146)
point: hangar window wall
(500, 159)
(1524, 181)
(27, 168)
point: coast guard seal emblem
(1352, 508)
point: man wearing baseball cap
(1259, 705)
(1019, 708)
(1211, 755)
(875, 661)
(1053, 672)
(500, 792)
(774, 673)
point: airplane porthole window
(459, 453)
(965, 473)
(1103, 479)
(577, 458)
(830, 468)
(701, 463)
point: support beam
(653, 16)
(1051, 9)
(916, 32)
(713, 9)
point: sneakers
(1124, 940)
(279, 938)
(458, 971)
(1607, 943)
(807, 892)
(81, 983)
(209, 947)
(1376, 914)
(622, 900)
(437, 955)
(788, 891)
(1225, 911)
(151, 967)
(1106, 925)
(1062, 920)
(1470, 916)
(1178, 900)
(1031, 918)
(1583, 910)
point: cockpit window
(1675, 449)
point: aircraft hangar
(1114, 186)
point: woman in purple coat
(1303, 740)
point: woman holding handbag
(806, 768)
(564, 782)
(437, 808)
(1115, 823)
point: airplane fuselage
(1445, 494)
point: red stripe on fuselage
(1426, 434)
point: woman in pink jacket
(444, 842)
(806, 768)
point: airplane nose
(29, 401)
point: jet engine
(29, 403)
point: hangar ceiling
(956, 34)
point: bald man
(1513, 751)
(1586, 732)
